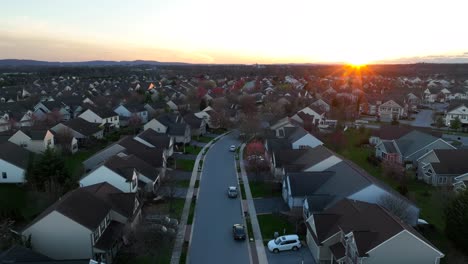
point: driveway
(302, 256)
(270, 205)
(423, 118)
(215, 213)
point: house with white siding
(35, 140)
(101, 116)
(80, 129)
(391, 110)
(457, 109)
(86, 223)
(153, 139)
(13, 163)
(360, 232)
(443, 167)
(173, 125)
(133, 111)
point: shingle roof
(152, 156)
(83, 127)
(306, 183)
(451, 161)
(297, 159)
(154, 138)
(413, 141)
(14, 154)
(193, 120)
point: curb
(180, 237)
(242, 208)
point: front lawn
(269, 224)
(183, 183)
(185, 165)
(264, 189)
(192, 150)
(202, 139)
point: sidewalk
(260, 248)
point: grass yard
(269, 224)
(192, 150)
(191, 212)
(263, 189)
(185, 165)
(74, 163)
(183, 183)
(202, 139)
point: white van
(287, 242)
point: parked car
(238, 232)
(256, 158)
(163, 230)
(282, 243)
(232, 148)
(163, 220)
(232, 192)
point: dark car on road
(238, 231)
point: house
(390, 132)
(172, 125)
(302, 160)
(309, 114)
(15, 115)
(298, 185)
(294, 138)
(101, 116)
(391, 110)
(59, 111)
(153, 139)
(197, 125)
(128, 146)
(133, 111)
(413, 100)
(433, 94)
(440, 167)
(80, 129)
(409, 148)
(65, 143)
(279, 126)
(87, 223)
(210, 117)
(321, 104)
(127, 173)
(13, 163)
(359, 232)
(33, 139)
(457, 109)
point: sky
(241, 31)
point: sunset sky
(241, 31)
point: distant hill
(18, 63)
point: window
(107, 219)
(49, 142)
(96, 235)
(103, 226)
(4, 175)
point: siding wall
(103, 174)
(14, 173)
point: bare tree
(396, 206)
(64, 138)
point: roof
(152, 156)
(83, 127)
(125, 165)
(154, 138)
(389, 132)
(298, 159)
(389, 147)
(35, 133)
(14, 154)
(413, 141)
(305, 183)
(338, 250)
(102, 112)
(370, 224)
(177, 129)
(451, 161)
(454, 104)
(88, 206)
(193, 120)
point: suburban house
(128, 146)
(358, 232)
(321, 104)
(172, 125)
(197, 124)
(298, 185)
(153, 139)
(413, 101)
(87, 223)
(347, 180)
(81, 129)
(433, 94)
(133, 111)
(209, 115)
(278, 126)
(15, 115)
(440, 167)
(103, 116)
(391, 110)
(13, 163)
(293, 138)
(33, 139)
(457, 109)
(126, 173)
(409, 148)
(302, 160)
(390, 132)
(43, 109)
(65, 143)
(309, 115)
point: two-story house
(33, 139)
(153, 139)
(457, 109)
(440, 167)
(133, 111)
(103, 116)
(391, 110)
(311, 115)
(86, 223)
(172, 125)
(197, 124)
(355, 232)
(80, 129)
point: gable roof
(454, 104)
(154, 138)
(389, 132)
(413, 141)
(451, 161)
(305, 183)
(298, 159)
(152, 156)
(83, 127)
(14, 154)
(193, 120)
(34, 133)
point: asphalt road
(215, 213)
(423, 118)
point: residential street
(215, 213)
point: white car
(287, 242)
(232, 148)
